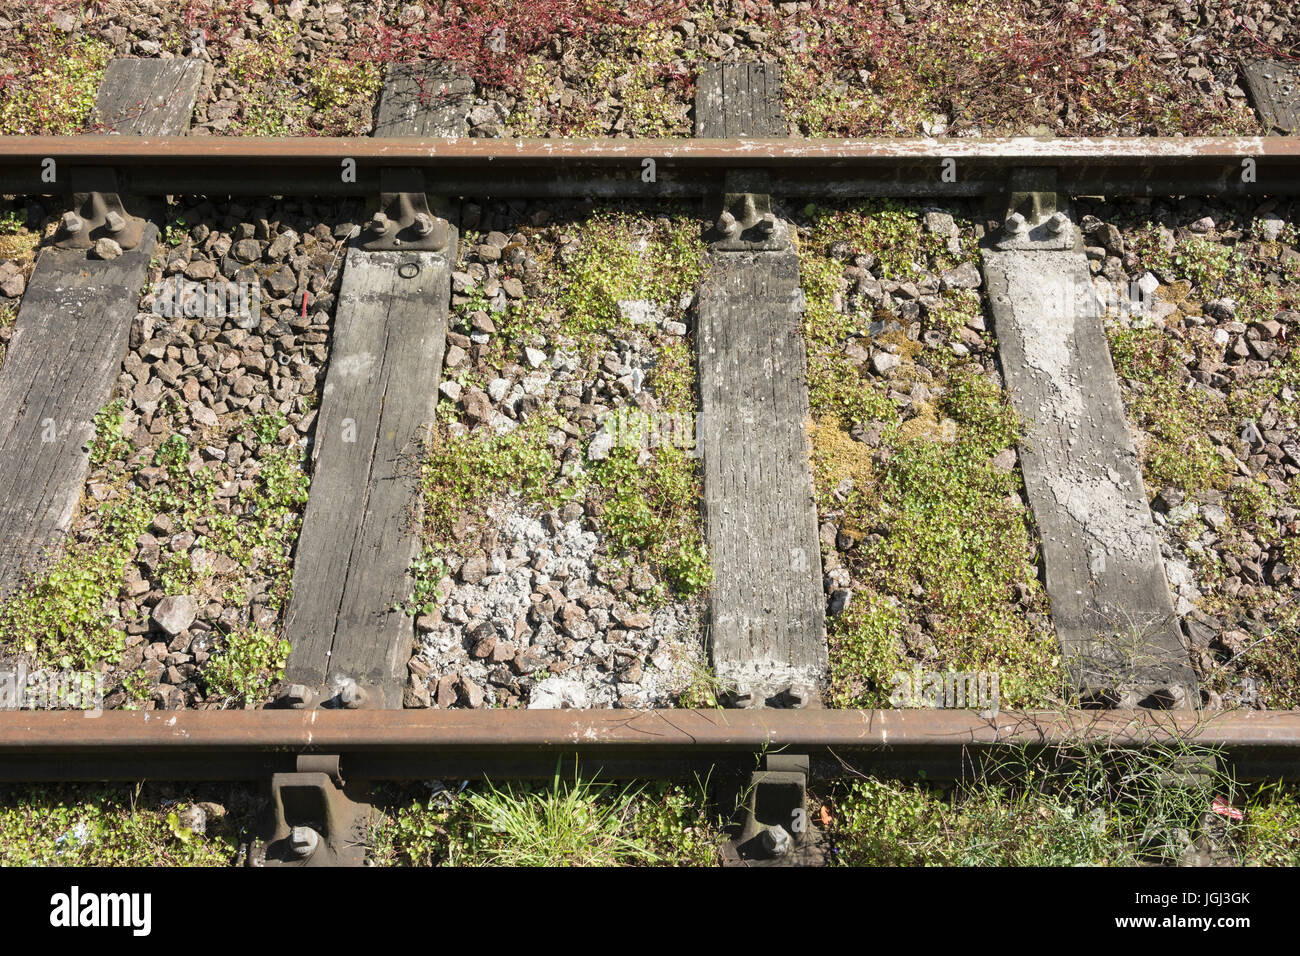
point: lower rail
(419, 744)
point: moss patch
(587, 268)
(17, 242)
(1199, 268)
(1172, 410)
(653, 510)
(574, 275)
(460, 476)
(944, 535)
(836, 456)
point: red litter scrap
(1224, 809)
(304, 305)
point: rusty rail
(681, 168)
(198, 745)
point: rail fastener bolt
(727, 224)
(739, 696)
(114, 222)
(352, 695)
(72, 223)
(767, 225)
(423, 224)
(296, 696)
(380, 224)
(797, 696)
(1058, 223)
(1016, 225)
(303, 841)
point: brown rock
(484, 646)
(417, 693)
(474, 569)
(446, 695)
(13, 286)
(571, 615)
(201, 269)
(478, 406)
(471, 694)
(528, 661)
(637, 621)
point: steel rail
(682, 168)
(415, 744)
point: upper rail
(656, 168)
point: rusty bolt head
(351, 695)
(303, 841)
(380, 224)
(741, 695)
(797, 696)
(727, 224)
(1016, 225)
(72, 223)
(423, 224)
(297, 696)
(114, 222)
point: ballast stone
(175, 613)
(558, 693)
(884, 362)
(107, 249)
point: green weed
(49, 80)
(1098, 804)
(652, 509)
(79, 825)
(244, 667)
(460, 476)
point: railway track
(340, 712)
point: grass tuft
(568, 823)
